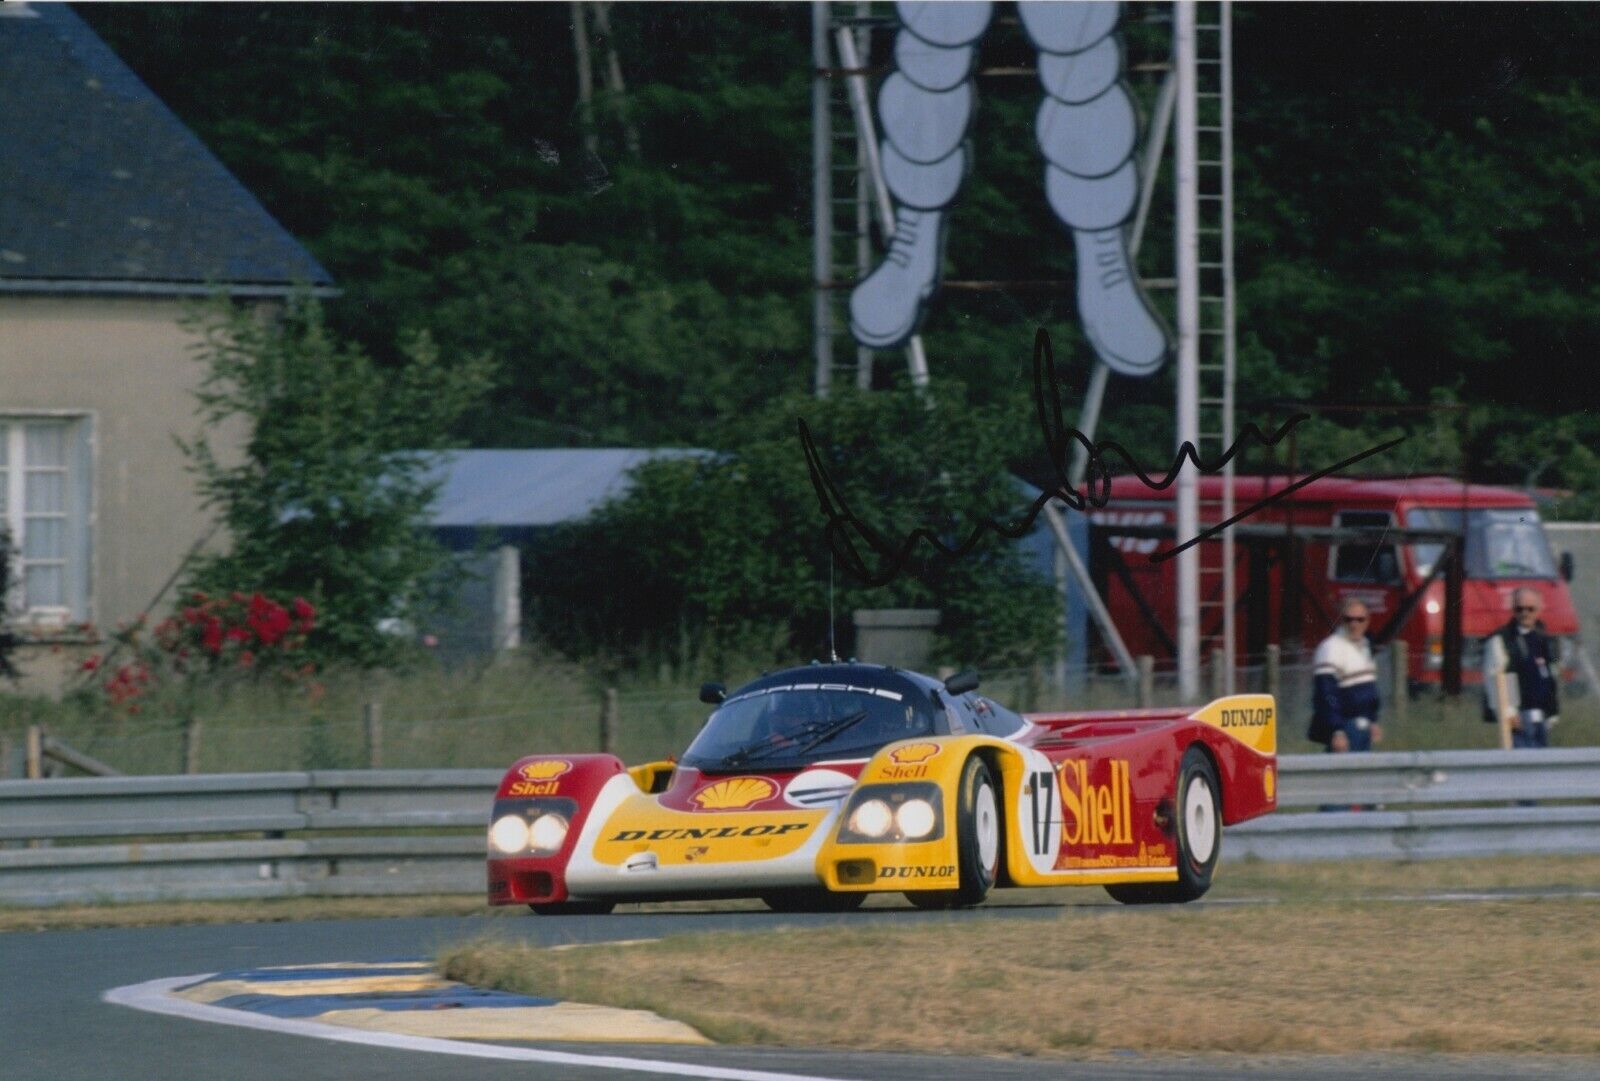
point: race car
(813, 787)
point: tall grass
(526, 703)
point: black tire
(814, 900)
(980, 838)
(573, 908)
(1197, 825)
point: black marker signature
(844, 527)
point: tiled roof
(103, 189)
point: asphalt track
(54, 1026)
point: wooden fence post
(372, 722)
(191, 745)
(608, 721)
(1400, 679)
(5, 757)
(1147, 680)
(33, 769)
(1274, 672)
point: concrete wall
(128, 366)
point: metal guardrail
(393, 832)
(1404, 796)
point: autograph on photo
(847, 534)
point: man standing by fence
(1520, 681)
(1344, 695)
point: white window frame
(78, 513)
(1333, 550)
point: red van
(1506, 548)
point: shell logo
(544, 770)
(734, 793)
(913, 753)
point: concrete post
(1146, 694)
(1219, 673)
(5, 757)
(608, 721)
(33, 768)
(191, 745)
(1274, 671)
(507, 598)
(1399, 678)
(372, 724)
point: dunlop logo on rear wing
(1252, 719)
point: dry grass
(1300, 977)
(1370, 878)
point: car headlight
(548, 832)
(510, 833)
(872, 819)
(893, 814)
(915, 818)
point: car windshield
(792, 726)
(1501, 543)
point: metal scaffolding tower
(1194, 106)
(848, 190)
(1208, 237)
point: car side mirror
(962, 682)
(712, 694)
(1566, 565)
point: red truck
(1505, 548)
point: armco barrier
(392, 832)
(239, 835)
(1404, 818)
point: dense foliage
(1413, 191)
(719, 555)
(323, 504)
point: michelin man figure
(1087, 130)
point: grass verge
(1238, 881)
(1305, 976)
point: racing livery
(815, 786)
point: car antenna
(833, 654)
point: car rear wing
(1252, 719)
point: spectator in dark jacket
(1531, 661)
(1344, 696)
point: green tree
(329, 499)
(721, 555)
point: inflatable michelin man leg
(924, 109)
(1087, 130)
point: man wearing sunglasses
(1526, 695)
(1344, 695)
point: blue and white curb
(162, 997)
(410, 998)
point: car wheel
(1199, 837)
(978, 833)
(573, 908)
(813, 901)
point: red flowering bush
(211, 635)
(235, 631)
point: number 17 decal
(1042, 793)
